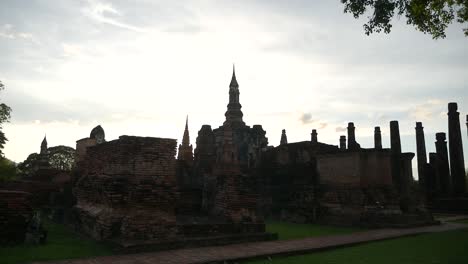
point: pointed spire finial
(185, 149)
(233, 79)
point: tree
(428, 16)
(7, 169)
(61, 157)
(26, 168)
(5, 111)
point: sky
(139, 67)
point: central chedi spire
(185, 149)
(234, 113)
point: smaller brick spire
(44, 145)
(284, 139)
(185, 149)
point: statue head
(98, 134)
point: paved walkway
(257, 249)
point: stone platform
(199, 231)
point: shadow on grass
(62, 243)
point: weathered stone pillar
(343, 142)
(284, 139)
(457, 162)
(395, 142)
(406, 174)
(421, 154)
(432, 177)
(377, 138)
(314, 136)
(352, 144)
(442, 168)
(395, 148)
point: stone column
(314, 136)
(432, 179)
(467, 125)
(406, 174)
(457, 162)
(343, 142)
(395, 148)
(442, 169)
(421, 154)
(395, 142)
(377, 138)
(352, 144)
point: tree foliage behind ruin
(7, 169)
(59, 157)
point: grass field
(292, 230)
(462, 221)
(446, 247)
(61, 244)
(438, 248)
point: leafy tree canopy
(428, 16)
(7, 169)
(26, 168)
(59, 157)
(5, 111)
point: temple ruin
(144, 193)
(134, 192)
(445, 175)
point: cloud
(340, 129)
(427, 111)
(306, 118)
(106, 13)
(8, 31)
(119, 61)
(71, 49)
(29, 108)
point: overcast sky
(139, 67)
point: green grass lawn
(462, 221)
(446, 247)
(292, 230)
(61, 244)
(449, 247)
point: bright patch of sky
(140, 67)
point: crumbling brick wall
(358, 169)
(236, 195)
(126, 189)
(15, 214)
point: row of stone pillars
(437, 177)
(353, 145)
